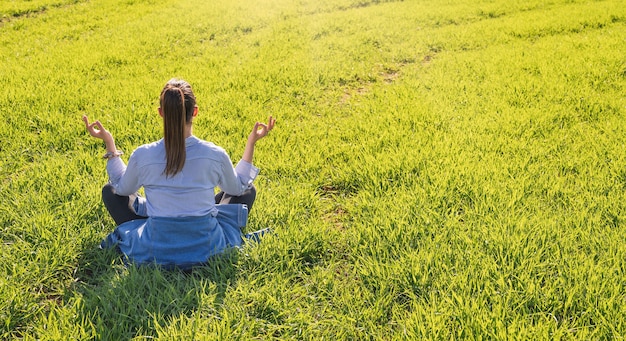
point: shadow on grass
(121, 302)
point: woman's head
(178, 105)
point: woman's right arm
(236, 180)
(259, 131)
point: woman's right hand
(261, 130)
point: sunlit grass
(440, 169)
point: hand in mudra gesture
(96, 129)
(261, 130)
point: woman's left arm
(124, 179)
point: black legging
(121, 207)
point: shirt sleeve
(125, 180)
(238, 179)
(246, 171)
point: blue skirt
(182, 241)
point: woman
(180, 222)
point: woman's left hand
(96, 130)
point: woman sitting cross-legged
(180, 222)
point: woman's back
(191, 191)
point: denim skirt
(179, 241)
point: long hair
(177, 104)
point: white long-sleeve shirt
(191, 192)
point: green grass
(440, 169)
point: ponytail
(177, 105)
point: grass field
(440, 169)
